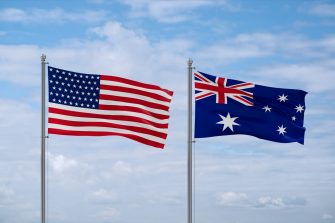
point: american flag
(228, 107)
(100, 105)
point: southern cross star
(281, 129)
(282, 98)
(228, 122)
(267, 108)
(299, 108)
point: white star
(282, 98)
(281, 129)
(228, 122)
(267, 108)
(294, 118)
(50, 69)
(57, 71)
(299, 108)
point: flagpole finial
(43, 57)
(190, 62)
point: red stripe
(135, 83)
(87, 133)
(201, 77)
(220, 89)
(242, 85)
(203, 96)
(135, 101)
(109, 117)
(244, 100)
(134, 91)
(132, 109)
(110, 125)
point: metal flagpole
(189, 142)
(43, 137)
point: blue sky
(238, 179)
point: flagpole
(43, 137)
(189, 142)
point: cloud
(302, 74)
(236, 199)
(232, 199)
(28, 56)
(104, 195)
(279, 202)
(57, 15)
(172, 11)
(59, 163)
(322, 9)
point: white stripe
(202, 76)
(106, 129)
(127, 123)
(136, 96)
(239, 100)
(108, 112)
(121, 103)
(202, 82)
(115, 83)
(200, 94)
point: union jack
(206, 88)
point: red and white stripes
(127, 108)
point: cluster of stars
(73, 89)
(229, 122)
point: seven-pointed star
(299, 108)
(267, 108)
(282, 98)
(228, 122)
(281, 129)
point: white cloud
(122, 168)
(173, 11)
(271, 202)
(28, 58)
(59, 163)
(47, 16)
(233, 199)
(322, 9)
(302, 74)
(279, 202)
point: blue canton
(73, 89)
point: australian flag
(228, 107)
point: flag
(228, 107)
(100, 105)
